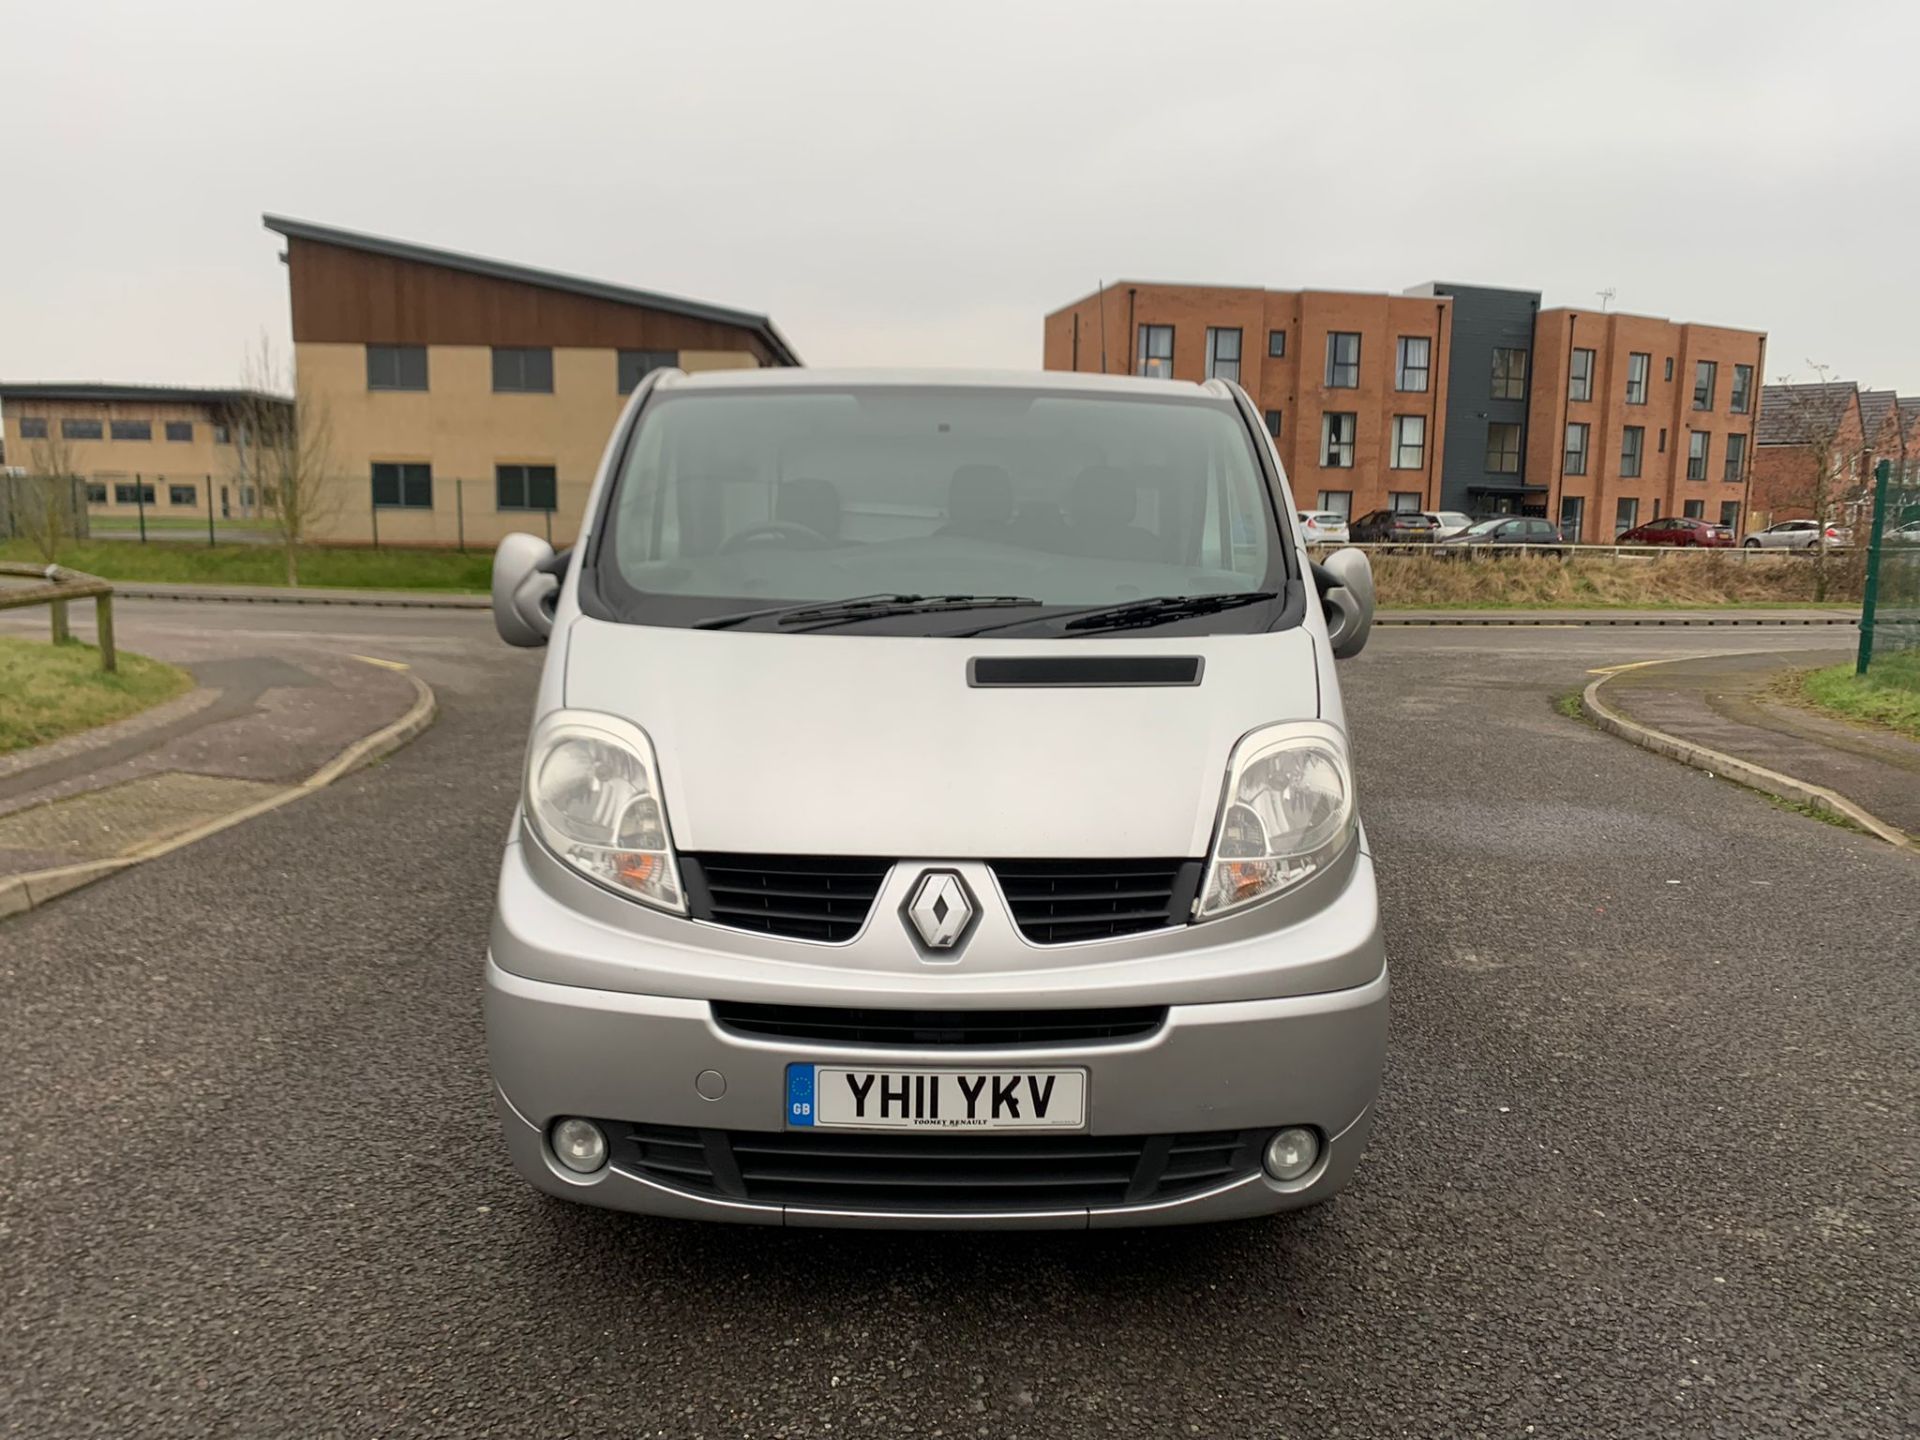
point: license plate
(833, 1097)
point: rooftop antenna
(1102, 293)
(1606, 298)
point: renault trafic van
(939, 811)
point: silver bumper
(1241, 1065)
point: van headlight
(1288, 811)
(593, 796)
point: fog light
(1292, 1153)
(579, 1145)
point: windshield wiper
(817, 614)
(1156, 611)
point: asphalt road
(1645, 1161)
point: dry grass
(1683, 579)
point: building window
(1580, 377)
(1509, 373)
(96, 494)
(130, 429)
(133, 494)
(522, 370)
(400, 487)
(1697, 454)
(246, 497)
(1223, 354)
(633, 366)
(524, 487)
(1574, 462)
(1503, 448)
(1339, 502)
(222, 435)
(1409, 442)
(80, 430)
(179, 430)
(1336, 439)
(1663, 440)
(1343, 360)
(1741, 400)
(1730, 514)
(1410, 367)
(1403, 501)
(1705, 373)
(1669, 374)
(1626, 515)
(396, 367)
(1573, 513)
(1638, 365)
(33, 427)
(1273, 423)
(182, 495)
(1695, 510)
(1633, 443)
(1155, 358)
(1736, 459)
(1277, 344)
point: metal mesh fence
(1890, 606)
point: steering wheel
(782, 532)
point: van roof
(1055, 381)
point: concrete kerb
(1732, 767)
(19, 893)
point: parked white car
(1323, 527)
(1797, 535)
(1451, 522)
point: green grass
(47, 691)
(1569, 705)
(265, 565)
(185, 524)
(1888, 695)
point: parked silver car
(1448, 523)
(1798, 535)
(938, 811)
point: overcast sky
(919, 184)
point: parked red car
(1676, 530)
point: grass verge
(1682, 580)
(265, 565)
(47, 691)
(1887, 696)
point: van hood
(878, 745)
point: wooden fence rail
(56, 589)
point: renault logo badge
(940, 909)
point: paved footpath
(1731, 703)
(266, 713)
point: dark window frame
(1503, 381)
(77, 427)
(139, 432)
(133, 492)
(1274, 420)
(1704, 459)
(526, 476)
(1495, 458)
(35, 427)
(174, 492)
(96, 493)
(404, 480)
(1144, 356)
(174, 429)
(1331, 446)
(1740, 398)
(1645, 357)
(1635, 453)
(1703, 396)
(630, 367)
(1338, 367)
(1402, 371)
(1574, 458)
(1216, 333)
(1395, 445)
(523, 369)
(1276, 344)
(1734, 464)
(391, 367)
(1579, 376)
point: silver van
(938, 812)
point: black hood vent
(986, 672)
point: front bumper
(560, 1050)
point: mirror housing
(1345, 582)
(526, 587)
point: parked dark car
(1399, 527)
(1679, 530)
(1509, 530)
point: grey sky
(920, 184)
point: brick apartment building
(1836, 429)
(1454, 397)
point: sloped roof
(526, 275)
(1787, 411)
(114, 394)
(1875, 407)
(1910, 413)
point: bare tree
(1828, 478)
(283, 437)
(45, 499)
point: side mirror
(1345, 581)
(526, 587)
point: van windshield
(1043, 503)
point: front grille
(945, 1028)
(803, 897)
(847, 1170)
(1056, 902)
